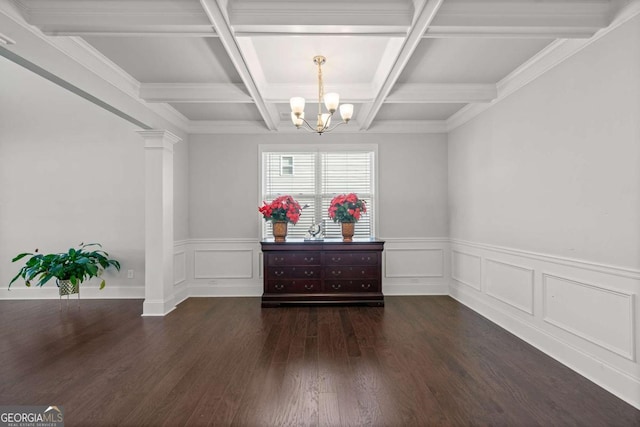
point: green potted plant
(69, 268)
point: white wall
(224, 255)
(224, 182)
(544, 202)
(70, 172)
(554, 167)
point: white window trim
(307, 148)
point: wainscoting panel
(414, 263)
(223, 264)
(583, 314)
(467, 269)
(417, 266)
(581, 309)
(223, 267)
(509, 283)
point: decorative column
(158, 280)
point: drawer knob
(308, 259)
(336, 286)
(308, 273)
(366, 285)
(366, 259)
(336, 273)
(279, 286)
(278, 273)
(280, 259)
(336, 259)
(308, 286)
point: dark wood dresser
(322, 272)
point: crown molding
(408, 126)
(195, 92)
(199, 127)
(548, 58)
(6, 40)
(410, 93)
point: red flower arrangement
(346, 208)
(283, 208)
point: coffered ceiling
(232, 65)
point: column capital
(158, 138)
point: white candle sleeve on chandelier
(297, 120)
(331, 101)
(297, 105)
(346, 111)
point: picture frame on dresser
(322, 272)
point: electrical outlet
(129, 274)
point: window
(286, 165)
(320, 174)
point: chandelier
(331, 102)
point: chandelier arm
(331, 129)
(310, 128)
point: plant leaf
(102, 284)
(19, 257)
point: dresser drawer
(294, 286)
(351, 258)
(356, 272)
(294, 272)
(358, 285)
(292, 258)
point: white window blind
(317, 177)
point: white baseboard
(581, 313)
(400, 289)
(608, 377)
(51, 292)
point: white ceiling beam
(195, 92)
(65, 63)
(327, 17)
(421, 24)
(117, 18)
(441, 93)
(529, 19)
(349, 93)
(6, 40)
(212, 8)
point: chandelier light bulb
(331, 101)
(297, 105)
(297, 120)
(346, 112)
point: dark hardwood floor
(225, 361)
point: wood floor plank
(418, 361)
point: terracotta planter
(348, 228)
(280, 231)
